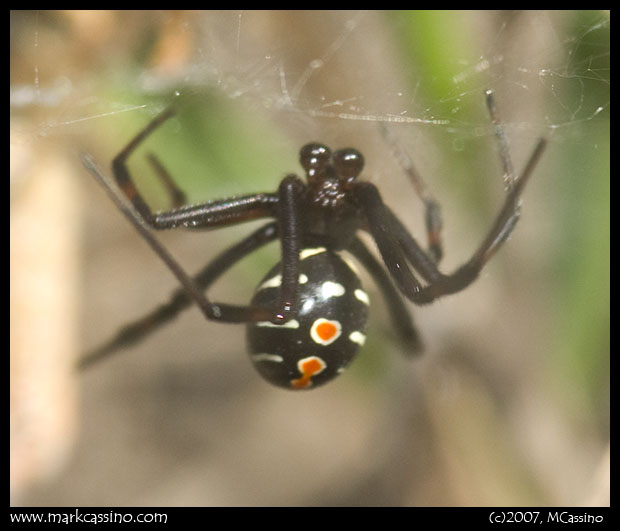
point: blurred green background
(509, 404)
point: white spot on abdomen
(293, 323)
(268, 357)
(332, 289)
(276, 282)
(305, 253)
(361, 295)
(357, 337)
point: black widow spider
(307, 318)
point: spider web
(267, 82)
(252, 87)
(320, 66)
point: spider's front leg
(218, 312)
(399, 249)
(192, 288)
(502, 227)
(206, 215)
(282, 206)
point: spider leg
(397, 246)
(192, 288)
(180, 300)
(424, 264)
(290, 240)
(219, 312)
(121, 173)
(502, 227)
(432, 209)
(399, 313)
(176, 195)
(501, 139)
(380, 225)
(207, 215)
(509, 214)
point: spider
(307, 318)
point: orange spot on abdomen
(308, 367)
(326, 330)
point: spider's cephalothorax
(330, 175)
(328, 331)
(308, 317)
(329, 211)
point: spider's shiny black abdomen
(329, 328)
